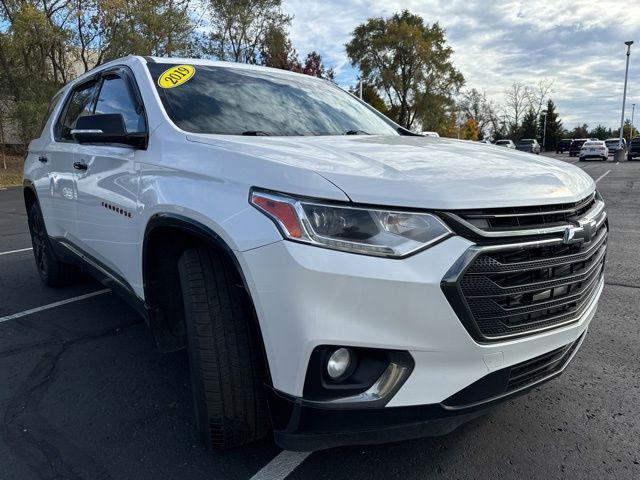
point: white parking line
(16, 251)
(603, 175)
(52, 305)
(281, 466)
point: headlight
(385, 233)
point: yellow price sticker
(175, 76)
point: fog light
(339, 363)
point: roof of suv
(132, 59)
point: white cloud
(580, 46)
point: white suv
(335, 277)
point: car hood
(420, 172)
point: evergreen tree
(529, 125)
(555, 130)
(600, 132)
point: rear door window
(80, 103)
(52, 106)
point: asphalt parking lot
(84, 394)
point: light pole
(544, 132)
(620, 152)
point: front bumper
(307, 296)
(306, 426)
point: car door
(58, 202)
(106, 176)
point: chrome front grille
(505, 287)
(505, 219)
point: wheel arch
(166, 236)
(30, 195)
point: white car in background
(613, 144)
(430, 134)
(506, 143)
(594, 149)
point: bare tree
(516, 102)
(537, 95)
(239, 27)
(477, 106)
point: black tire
(53, 273)
(582, 159)
(226, 364)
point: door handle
(43, 159)
(79, 165)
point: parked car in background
(430, 134)
(576, 145)
(530, 145)
(594, 149)
(634, 148)
(563, 145)
(506, 143)
(613, 144)
(488, 142)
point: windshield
(502, 142)
(238, 101)
(525, 142)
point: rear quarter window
(52, 107)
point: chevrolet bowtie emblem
(582, 233)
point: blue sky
(579, 45)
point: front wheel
(53, 273)
(226, 364)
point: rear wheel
(53, 273)
(582, 159)
(226, 364)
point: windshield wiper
(356, 132)
(255, 133)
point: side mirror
(106, 128)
